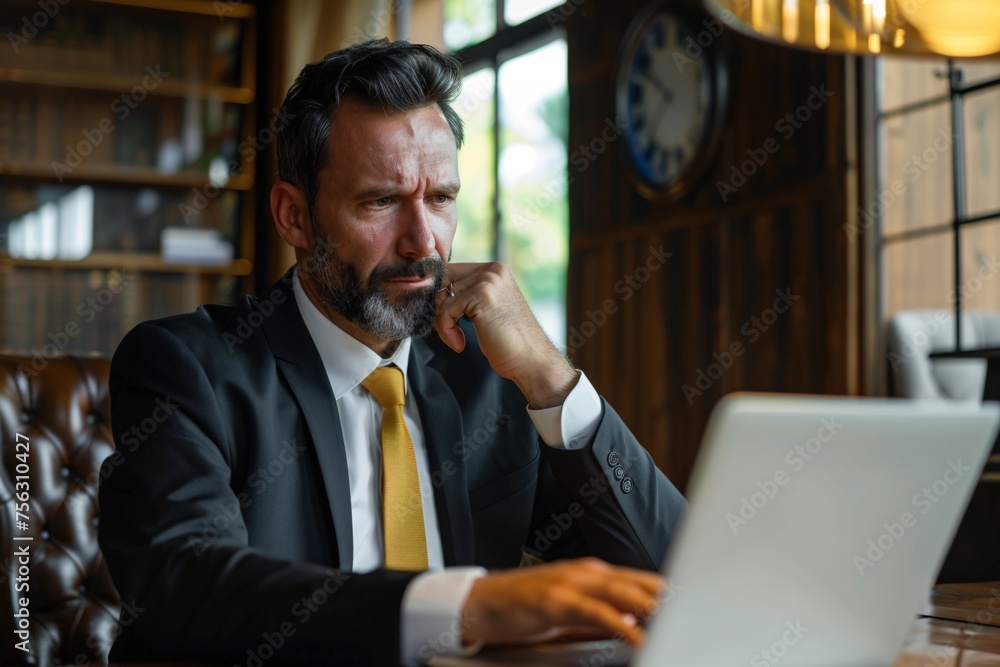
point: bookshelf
(127, 146)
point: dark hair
(396, 75)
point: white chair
(915, 334)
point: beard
(366, 303)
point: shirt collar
(347, 360)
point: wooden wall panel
(781, 231)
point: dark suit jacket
(225, 511)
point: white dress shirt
(432, 603)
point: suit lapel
(442, 424)
(300, 364)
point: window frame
(874, 159)
(507, 43)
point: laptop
(816, 529)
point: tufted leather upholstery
(64, 409)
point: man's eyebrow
(449, 187)
(389, 188)
(375, 191)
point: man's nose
(416, 239)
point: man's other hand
(536, 603)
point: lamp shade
(955, 28)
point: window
(515, 104)
(934, 204)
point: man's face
(384, 219)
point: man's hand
(530, 604)
(509, 335)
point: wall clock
(670, 96)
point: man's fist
(509, 335)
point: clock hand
(668, 97)
(659, 122)
(656, 83)
(656, 118)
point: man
(319, 448)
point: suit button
(613, 459)
(619, 472)
(627, 485)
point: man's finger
(652, 582)
(458, 270)
(446, 322)
(586, 610)
(627, 597)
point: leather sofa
(60, 407)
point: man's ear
(291, 215)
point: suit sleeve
(625, 509)
(165, 489)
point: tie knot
(386, 385)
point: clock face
(667, 99)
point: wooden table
(960, 628)
(935, 642)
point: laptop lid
(816, 528)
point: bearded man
(357, 462)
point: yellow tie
(402, 510)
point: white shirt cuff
(431, 620)
(571, 425)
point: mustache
(418, 268)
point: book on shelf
(193, 48)
(63, 94)
(87, 311)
